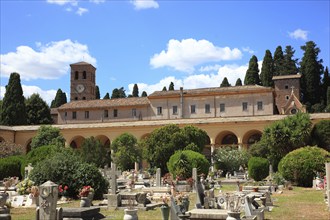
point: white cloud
(299, 34)
(248, 49)
(97, 1)
(81, 11)
(63, 2)
(47, 95)
(144, 4)
(49, 61)
(186, 54)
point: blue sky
(194, 44)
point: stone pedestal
(114, 200)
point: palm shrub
(258, 168)
(301, 166)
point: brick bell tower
(82, 81)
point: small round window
(293, 111)
(287, 97)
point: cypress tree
(171, 86)
(311, 69)
(325, 84)
(238, 82)
(97, 92)
(289, 64)
(252, 74)
(278, 61)
(164, 88)
(144, 94)
(135, 92)
(118, 93)
(328, 95)
(225, 83)
(13, 112)
(60, 99)
(38, 112)
(107, 96)
(267, 69)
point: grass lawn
(299, 203)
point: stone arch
(105, 141)
(207, 151)
(251, 137)
(77, 141)
(226, 138)
(2, 139)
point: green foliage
(97, 92)
(118, 93)
(182, 162)
(301, 166)
(144, 94)
(13, 105)
(321, 134)
(326, 86)
(11, 166)
(126, 151)
(107, 96)
(67, 168)
(48, 135)
(229, 159)
(10, 149)
(38, 112)
(267, 70)
(225, 83)
(258, 168)
(238, 82)
(252, 73)
(171, 86)
(278, 61)
(278, 178)
(92, 151)
(164, 88)
(289, 63)
(135, 92)
(59, 100)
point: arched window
(84, 75)
(76, 75)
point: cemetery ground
(299, 203)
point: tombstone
(158, 177)
(250, 211)
(327, 169)
(27, 170)
(199, 193)
(136, 167)
(176, 212)
(48, 201)
(194, 177)
(114, 199)
(271, 171)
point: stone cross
(158, 177)
(113, 179)
(27, 170)
(194, 177)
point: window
(133, 112)
(207, 108)
(287, 97)
(245, 106)
(222, 107)
(260, 105)
(115, 113)
(84, 98)
(106, 113)
(159, 110)
(193, 109)
(75, 98)
(65, 114)
(286, 87)
(76, 75)
(74, 115)
(84, 75)
(86, 114)
(175, 110)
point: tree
(311, 69)
(267, 70)
(320, 135)
(97, 92)
(59, 100)
(164, 88)
(252, 74)
(38, 112)
(171, 86)
(135, 92)
(47, 135)
(278, 61)
(238, 82)
(118, 93)
(144, 94)
(92, 151)
(225, 83)
(325, 85)
(107, 96)
(126, 151)
(289, 64)
(13, 106)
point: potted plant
(85, 198)
(63, 192)
(130, 212)
(165, 208)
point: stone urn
(85, 202)
(3, 199)
(233, 215)
(130, 214)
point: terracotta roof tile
(287, 77)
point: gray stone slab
(82, 213)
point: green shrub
(181, 163)
(321, 134)
(11, 166)
(67, 168)
(301, 166)
(258, 168)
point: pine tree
(267, 69)
(59, 100)
(171, 86)
(97, 92)
(289, 64)
(135, 92)
(13, 106)
(107, 96)
(252, 74)
(225, 83)
(144, 94)
(311, 69)
(238, 82)
(278, 61)
(38, 112)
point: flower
(63, 190)
(165, 200)
(85, 191)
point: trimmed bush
(11, 166)
(301, 166)
(321, 134)
(258, 168)
(182, 162)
